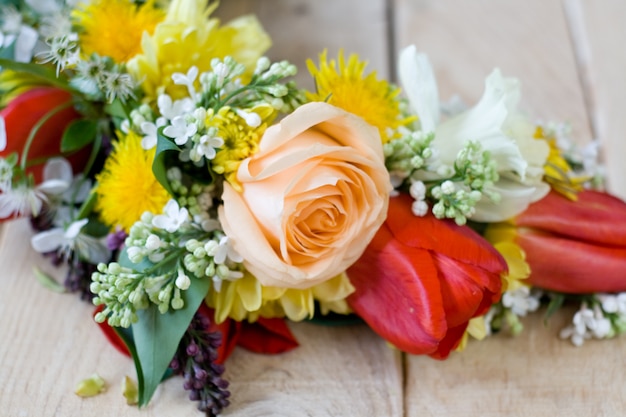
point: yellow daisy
(114, 27)
(126, 186)
(246, 298)
(345, 85)
(240, 140)
(186, 38)
(557, 171)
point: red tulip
(25, 111)
(421, 280)
(575, 247)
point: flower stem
(37, 128)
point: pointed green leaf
(43, 72)
(47, 281)
(157, 337)
(78, 134)
(165, 149)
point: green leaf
(157, 337)
(165, 148)
(116, 109)
(44, 73)
(47, 281)
(79, 134)
(556, 301)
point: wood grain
(528, 40)
(601, 32)
(302, 29)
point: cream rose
(312, 197)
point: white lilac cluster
(604, 318)
(185, 120)
(170, 250)
(514, 304)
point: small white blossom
(613, 303)
(180, 131)
(150, 130)
(587, 323)
(153, 242)
(252, 119)
(520, 301)
(448, 187)
(226, 251)
(21, 201)
(418, 190)
(419, 208)
(182, 281)
(171, 109)
(172, 218)
(187, 80)
(207, 145)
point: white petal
(25, 44)
(515, 198)
(3, 134)
(53, 186)
(75, 228)
(417, 78)
(48, 241)
(58, 169)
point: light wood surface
(570, 58)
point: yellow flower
(126, 186)
(246, 298)
(114, 27)
(240, 140)
(557, 171)
(186, 38)
(345, 86)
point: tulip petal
(441, 236)
(467, 290)
(569, 266)
(269, 336)
(595, 217)
(25, 111)
(397, 292)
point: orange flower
(574, 247)
(312, 197)
(421, 280)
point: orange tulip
(421, 280)
(574, 247)
(25, 111)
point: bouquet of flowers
(200, 198)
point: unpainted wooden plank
(599, 32)
(534, 374)
(302, 29)
(529, 40)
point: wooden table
(571, 60)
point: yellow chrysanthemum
(240, 140)
(345, 86)
(126, 186)
(186, 38)
(114, 28)
(558, 172)
(246, 298)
